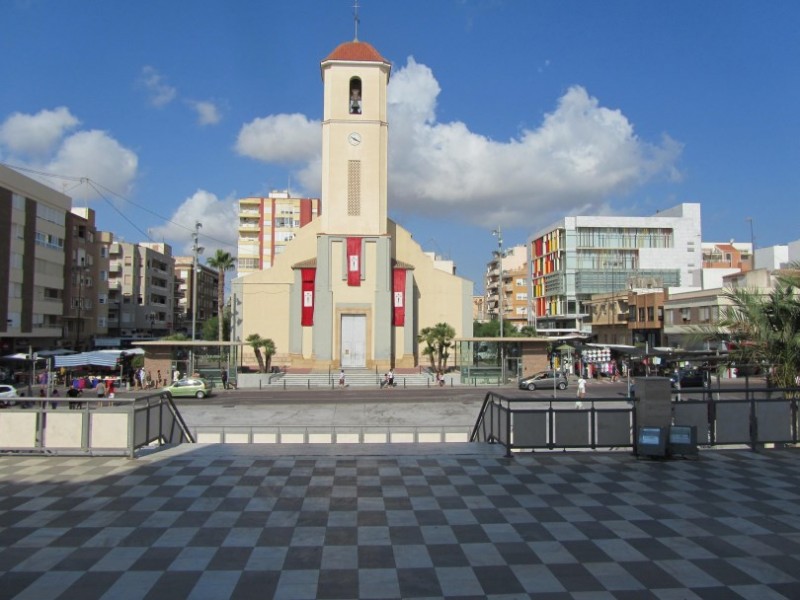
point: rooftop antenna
(355, 19)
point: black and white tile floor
(249, 522)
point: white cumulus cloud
(99, 157)
(580, 156)
(36, 134)
(161, 93)
(219, 217)
(41, 141)
(207, 112)
(280, 139)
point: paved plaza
(403, 521)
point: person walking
(341, 378)
(581, 392)
(224, 378)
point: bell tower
(355, 137)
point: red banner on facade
(307, 277)
(399, 289)
(354, 261)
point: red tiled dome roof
(358, 51)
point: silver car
(544, 380)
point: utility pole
(752, 245)
(196, 251)
(499, 234)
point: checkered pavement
(249, 522)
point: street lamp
(752, 245)
(197, 250)
(499, 234)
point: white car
(6, 393)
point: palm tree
(268, 350)
(437, 340)
(264, 349)
(255, 342)
(765, 327)
(221, 261)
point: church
(353, 289)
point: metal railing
(94, 426)
(334, 434)
(751, 417)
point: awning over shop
(100, 358)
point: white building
(583, 255)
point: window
(651, 313)
(355, 96)
(48, 213)
(686, 315)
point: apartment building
(517, 297)
(33, 230)
(141, 281)
(86, 274)
(267, 224)
(207, 302)
(580, 256)
(502, 272)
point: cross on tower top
(355, 19)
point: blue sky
(502, 112)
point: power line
(95, 185)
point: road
(448, 406)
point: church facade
(353, 289)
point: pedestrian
(159, 378)
(100, 389)
(581, 393)
(53, 403)
(176, 375)
(385, 380)
(73, 392)
(391, 378)
(224, 379)
(440, 378)
(341, 378)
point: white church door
(354, 341)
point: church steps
(353, 378)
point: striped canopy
(96, 359)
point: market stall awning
(83, 359)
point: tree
(438, 340)
(492, 329)
(211, 327)
(221, 261)
(264, 349)
(764, 328)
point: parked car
(544, 380)
(8, 394)
(189, 387)
(691, 378)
